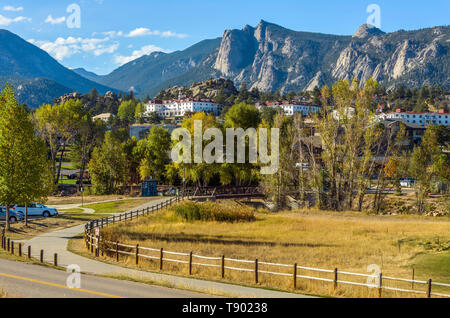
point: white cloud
(110, 34)
(64, 48)
(106, 49)
(142, 32)
(52, 20)
(12, 9)
(147, 32)
(167, 34)
(5, 21)
(145, 50)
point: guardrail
(96, 245)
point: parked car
(36, 209)
(407, 182)
(77, 175)
(13, 216)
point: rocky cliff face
(270, 57)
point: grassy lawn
(438, 264)
(76, 199)
(118, 206)
(72, 182)
(68, 166)
(348, 241)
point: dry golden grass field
(348, 241)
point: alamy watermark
(374, 281)
(214, 152)
(74, 279)
(374, 19)
(74, 20)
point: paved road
(34, 281)
(56, 242)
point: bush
(215, 212)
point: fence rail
(97, 245)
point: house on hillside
(421, 119)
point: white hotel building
(179, 107)
(422, 119)
(291, 108)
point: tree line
(331, 156)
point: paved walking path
(56, 242)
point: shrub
(190, 211)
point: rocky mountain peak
(367, 30)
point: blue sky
(113, 32)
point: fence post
(256, 271)
(9, 244)
(413, 274)
(12, 247)
(117, 251)
(161, 260)
(20, 249)
(335, 278)
(29, 251)
(41, 258)
(223, 266)
(380, 285)
(97, 248)
(3, 242)
(429, 288)
(137, 254)
(55, 259)
(92, 244)
(295, 276)
(190, 263)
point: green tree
(246, 117)
(156, 154)
(127, 111)
(242, 116)
(21, 154)
(37, 182)
(58, 125)
(426, 165)
(108, 166)
(89, 136)
(139, 113)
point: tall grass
(191, 211)
(347, 241)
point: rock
(367, 30)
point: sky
(102, 35)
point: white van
(36, 209)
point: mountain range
(266, 57)
(37, 77)
(270, 57)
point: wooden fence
(96, 245)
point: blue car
(13, 216)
